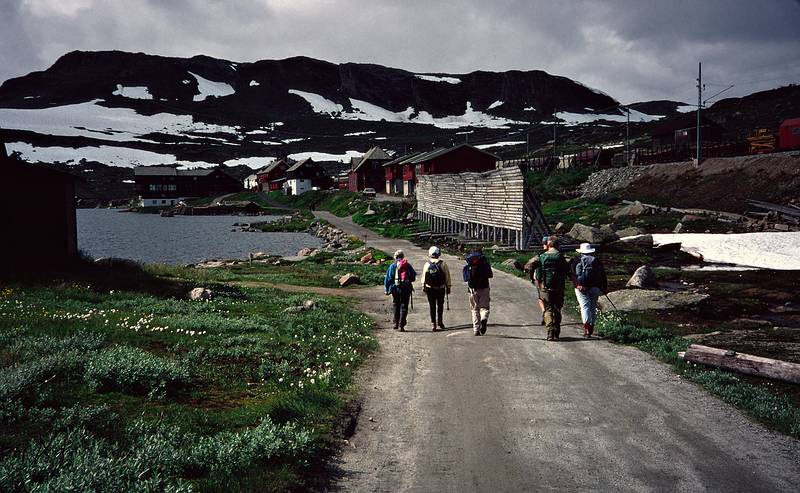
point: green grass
(774, 410)
(573, 211)
(115, 383)
(298, 221)
(558, 184)
(322, 270)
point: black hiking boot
(484, 323)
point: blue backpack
(584, 272)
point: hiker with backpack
(530, 268)
(436, 285)
(589, 276)
(397, 283)
(477, 273)
(551, 272)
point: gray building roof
(444, 150)
(374, 154)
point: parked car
(368, 192)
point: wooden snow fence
(743, 363)
(494, 206)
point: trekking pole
(447, 298)
(612, 303)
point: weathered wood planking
(494, 198)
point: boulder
(513, 263)
(560, 228)
(348, 279)
(588, 234)
(305, 252)
(200, 294)
(650, 299)
(259, 256)
(369, 212)
(307, 305)
(635, 209)
(631, 244)
(368, 258)
(608, 233)
(643, 278)
(409, 216)
(679, 228)
(691, 217)
(631, 231)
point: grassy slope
(116, 381)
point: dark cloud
(633, 50)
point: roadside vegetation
(113, 380)
(323, 269)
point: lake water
(151, 238)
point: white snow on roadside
(98, 122)
(500, 144)
(579, 118)
(318, 103)
(765, 250)
(687, 108)
(323, 156)
(133, 92)
(495, 105)
(113, 156)
(254, 83)
(356, 134)
(210, 88)
(434, 78)
(255, 162)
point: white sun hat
(585, 248)
(399, 254)
(434, 251)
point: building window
(163, 201)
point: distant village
(375, 171)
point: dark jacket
(480, 271)
(598, 279)
(389, 284)
(552, 270)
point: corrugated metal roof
(441, 152)
(402, 159)
(155, 171)
(196, 172)
(299, 164)
(375, 153)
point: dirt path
(448, 411)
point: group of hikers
(548, 272)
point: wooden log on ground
(743, 363)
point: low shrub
(135, 371)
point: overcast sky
(632, 49)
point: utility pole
(555, 125)
(699, 106)
(627, 137)
(527, 149)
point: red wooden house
(393, 173)
(367, 172)
(272, 176)
(459, 159)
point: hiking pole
(612, 303)
(447, 298)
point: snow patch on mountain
(318, 103)
(133, 92)
(210, 88)
(112, 124)
(323, 156)
(434, 78)
(110, 155)
(254, 162)
(501, 144)
(495, 105)
(363, 110)
(254, 83)
(686, 108)
(356, 134)
(581, 118)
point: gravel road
(448, 411)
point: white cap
(434, 251)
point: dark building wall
(458, 161)
(38, 210)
